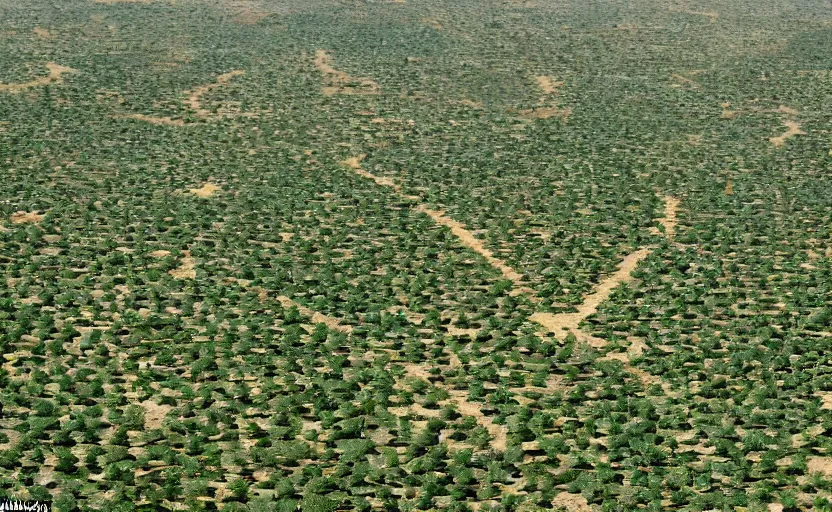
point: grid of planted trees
(416, 255)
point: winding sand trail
(55, 76)
(193, 102)
(338, 82)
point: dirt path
(669, 221)
(205, 191)
(711, 15)
(793, 129)
(318, 318)
(186, 269)
(561, 322)
(26, 217)
(546, 113)
(568, 322)
(467, 238)
(55, 76)
(459, 399)
(548, 84)
(458, 229)
(194, 100)
(338, 82)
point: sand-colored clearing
(205, 191)
(498, 433)
(571, 502)
(822, 465)
(793, 128)
(432, 22)
(55, 76)
(338, 82)
(187, 267)
(154, 414)
(546, 113)
(42, 33)
(669, 220)
(193, 102)
(548, 84)
(467, 238)
(318, 318)
(160, 253)
(26, 217)
(786, 110)
(459, 399)
(194, 99)
(354, 163)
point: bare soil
(205, 191)
(548, 84)
(187, 267)
(793, 128)
(330, 322)
(55, 76)
(26, 217)
(338, 82)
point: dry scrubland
(416, 255)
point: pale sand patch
(457, 229)
(458, 398)
(826, 399)
(571, 502)
(793, 128)
(468, 239)
(498, 433)
(338, 82)
(205, 191)
(546, 113)
(548, 84)
(251, 17)
(318, 318)
(42, 33)
(154, 414)
(55, 76)
(194, 100)
(457, 331)
(669, 220)
(786, 110)
(187, 267)
(160, 253)
(354, 163)
(26, 217)
(822, 465)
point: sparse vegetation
(423, 255)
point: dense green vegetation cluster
(203, 308)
